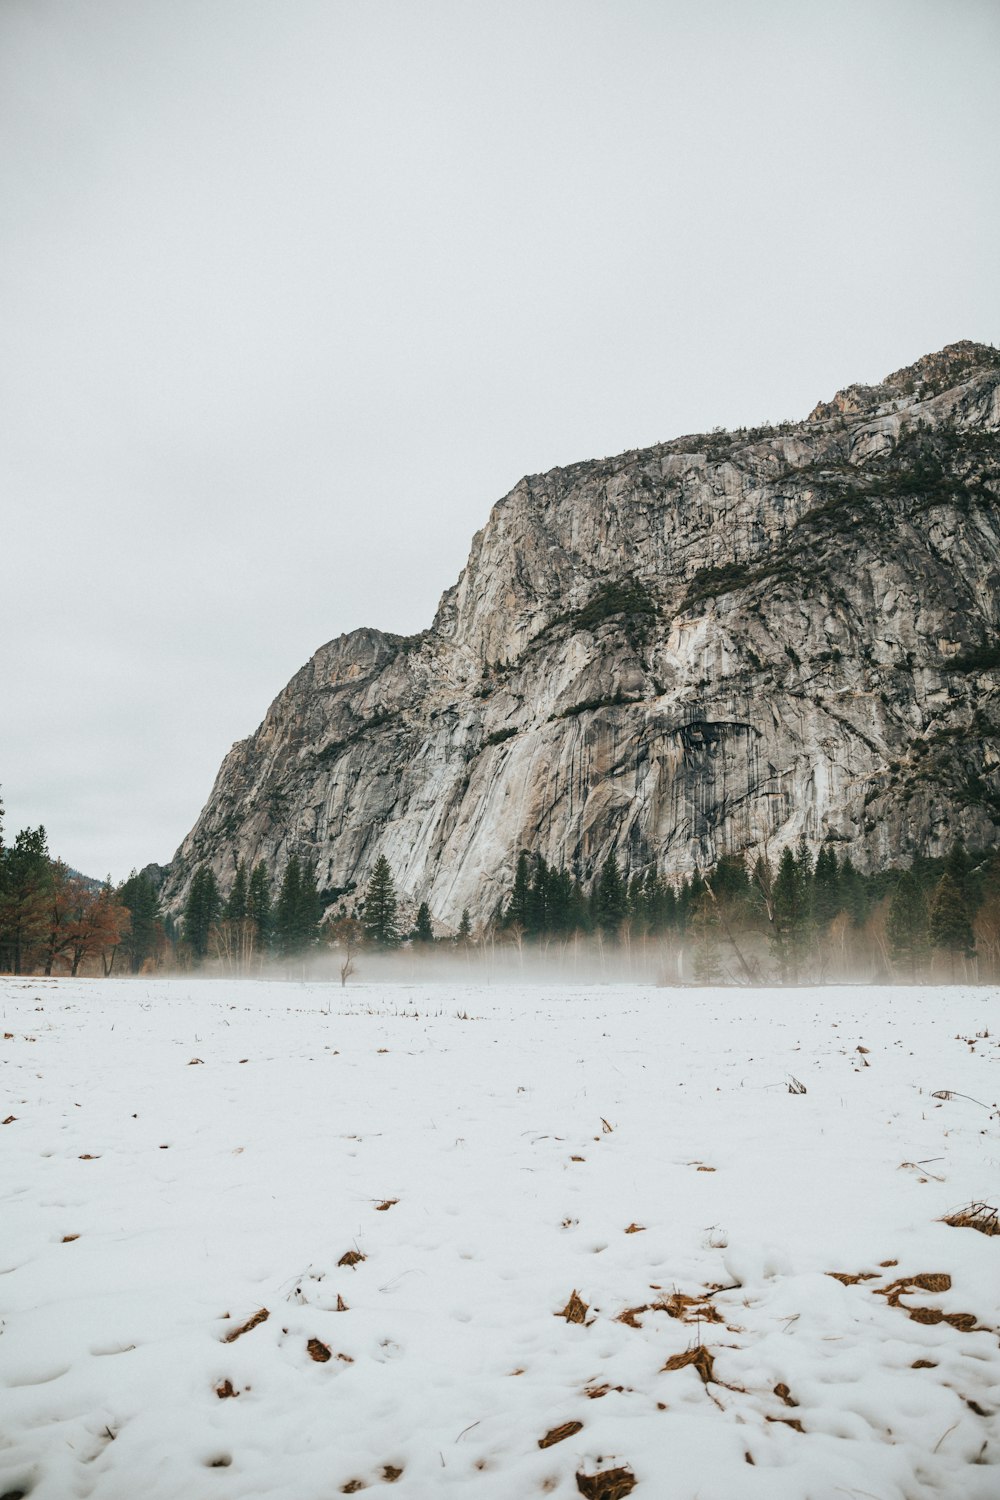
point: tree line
(54, 920)
(802, 918)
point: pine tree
(537, 914)
(906, 924)
(660, 902)
(560, 902)
(464, 934)
(610, 898)
(236, 904)
(950, 928)
(144, 937)
(309, 910)
(958, 865)
(287, 907)
(791, 922)
(854, 893)
(201, 910)
(423, 932)
(380, 907)
(24, 896)
(827, 900)
(637, 909)
(297, 914)
(259, 904)
(705, 932)
(518, 907)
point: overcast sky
(292, 291)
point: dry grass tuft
(254, 1322)
(68, 1239)
(699, 1357)
(610, 1484)
(847, 1279)
(925, 1281)
(559, 1434)
(352, 1487)
(351, 1258)
(634, 1228)
(631, 1315)
(341, 1304)
(390, 1473)
(796, 1086)
(784, 1394)
(576, 1309)
(318, 1351)
(595, 1392)
(932, 1281)
(689, 1309)
(924, 1364)
(381, 1208)
(981, 1216)
(225, 1389)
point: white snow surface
(150, 1205)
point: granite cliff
(675, 653)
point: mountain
(703, 646)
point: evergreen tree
(423, 932)
(259, 904)
(201, 910)
(730, 881)
(906, 924)
(578, 916)
(287, 907)
(297, 913)
(236, 904)
(660, 903)
(950, 928)
(827, 900)
(610, 899)
(854, 893)
(464, 934)
(380, 907)
(637, 909)
(958, 866)
(24, 898)
(518, 906)
(143, 939)
(705, 931)
(560, 902)
(791, 920)
(309, 911)
(537, 914)
(688, 897)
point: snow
(151, 1205)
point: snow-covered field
(188, 1159)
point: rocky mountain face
(710, 645)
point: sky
(292, 291)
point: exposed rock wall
(675, 653)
